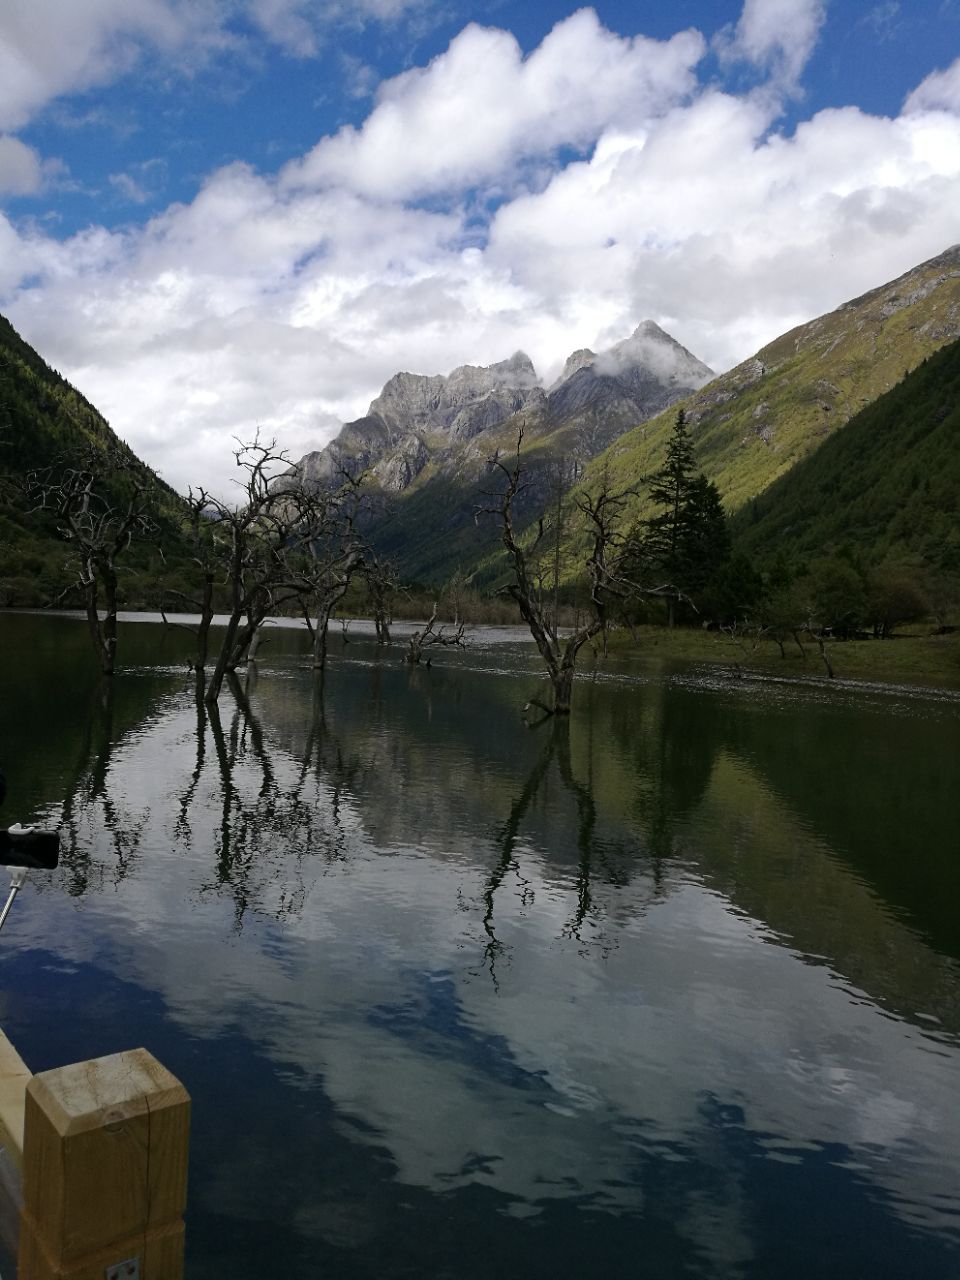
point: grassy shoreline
(924, 660)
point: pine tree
(686, 542)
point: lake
(670, 990)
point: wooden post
(14, 1077)
(104, 1171)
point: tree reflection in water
(270, 818)
(90, 806)
(294, 810)
(667, 788)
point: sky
(224, 216)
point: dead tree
(819, 635)
(430, 635)
(101, 507)
(253, 539)
(381, 583)
(606, 559)
(330, 586)
(326, 552)
(202, 519)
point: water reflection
(601, 988)
(91, 811)
(616, 862)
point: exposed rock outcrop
(422, 418)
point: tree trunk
(110, 620)
(233, 624)
(223, 659)
(206, 617)
(825, 656)
(415, 652)
(247, 637)
(93, 616)
(326, 604)
(562, 689)
(381, 621)
(324, 610)
(325, 607)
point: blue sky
(219, 214)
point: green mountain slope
(887, 485)
(439, 525)
(45, 422)
(752, 425)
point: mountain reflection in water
(672, 986)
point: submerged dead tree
(101, 506)
(327, 552)
(201, 532)
(429, 635)
(381, 583)
(609, 551)
(253, 539)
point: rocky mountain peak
(649, 354)
(650, 329)
(429, 418)
(577, 360)
(518, 370)
(656, 353)
(628, 382)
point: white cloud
(778, 36)
(885, 19)
(49, 48)
(21, 172)
(301, 26)
(939, 92)
(711, 227)
(142, 183)
(481, 107)
(52, 47)
(360, 78)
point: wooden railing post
(14, 1078)
(104, 1171)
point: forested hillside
(46, 425)
(885, 488)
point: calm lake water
(671, 990)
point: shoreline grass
(915, 659)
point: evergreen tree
(705, 542)
(686, 543)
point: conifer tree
(686, 541)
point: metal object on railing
(35, 848)
(24, 849)
(16, 884)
